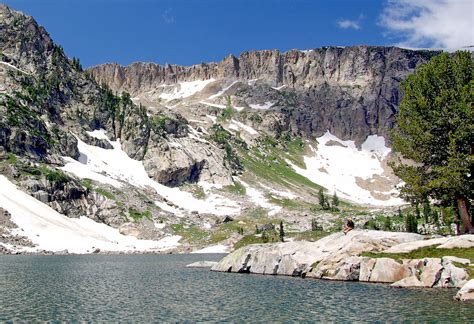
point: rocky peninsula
(366, 256)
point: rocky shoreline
(338, 257)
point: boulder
(366, 267)
(349, 270)
(452, 276)
(466, 292)
(431, 272)
(407, 282)
(388, 270)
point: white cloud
(346, 23)
(167, 16)
(445, 24)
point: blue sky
(194, 31)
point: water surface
(150, 288)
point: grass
(105, 193)
(286, 202)
(273, 168)
(266, 237)
(11, 159)
(191, 234)
(137, 215)
(311, 236)
(425, 252)
(237, 188)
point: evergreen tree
(426, 211)
(282, 232)
(335, 201)
(435, 129)
(322, 199)
(411, 223)
(387, 225)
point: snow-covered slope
(355, 174)
(52, 231)
(114, 167)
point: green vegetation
(190, 233)
(137, 215)
(311, 236)
(270, 165)
(55, 176)
(105, 193)
(227, 112)
(88, 184)
(286, 202)
(11, 159)
(237, 188)
(226, 140)
(435, 129)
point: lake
(148, 288)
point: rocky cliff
(351, 91)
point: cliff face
(352, 91)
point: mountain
(351, 91)
(150, 157)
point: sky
(187, 32)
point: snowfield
(183, 89)
(259, 199)
(219, 248)
(265, 106)
(336, 164)
(52, 231)
(114, 167)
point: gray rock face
(328, 258)
(336, 257)
(352, 91)
(466, 292)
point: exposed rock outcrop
(466, 292)
(336, 257)
(351, 91)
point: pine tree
(387, 225)
(411, 223)
(435, 129)
(282, 232)
(322, 199)
(335, 201)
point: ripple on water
(159, 287)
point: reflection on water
(159, 287)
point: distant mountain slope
(351, 91)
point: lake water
(148, 288)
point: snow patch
(336, 167)
(284, 194)
(220, 93)
(280, 87)
(236, 125)
(52, 231)
(13, 67)
(213, 249)
(115, 167)
(183, 89)
(99, 134)
(212, 104)
(259, 199)
(265, 106)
